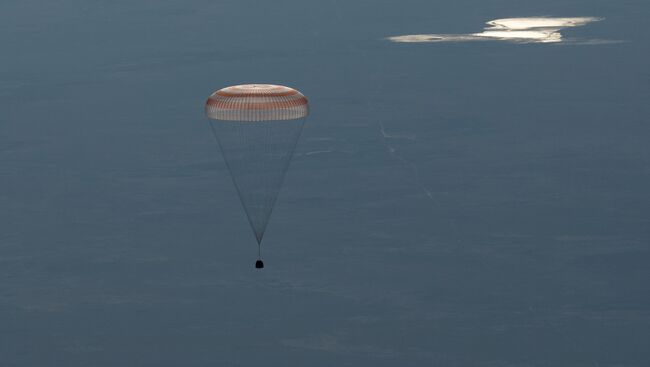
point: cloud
(516, 30)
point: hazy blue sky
(449, 204)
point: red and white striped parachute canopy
(256, 102)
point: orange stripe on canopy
(256, 102)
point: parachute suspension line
(268, 147)
(273, 187)
(290, 156)
(259, 264)
(230, 168)
(243, 134)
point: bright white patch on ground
(520, 30)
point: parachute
(257, 127)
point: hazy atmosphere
(464, 196)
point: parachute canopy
(257, 127)
(256, 102)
